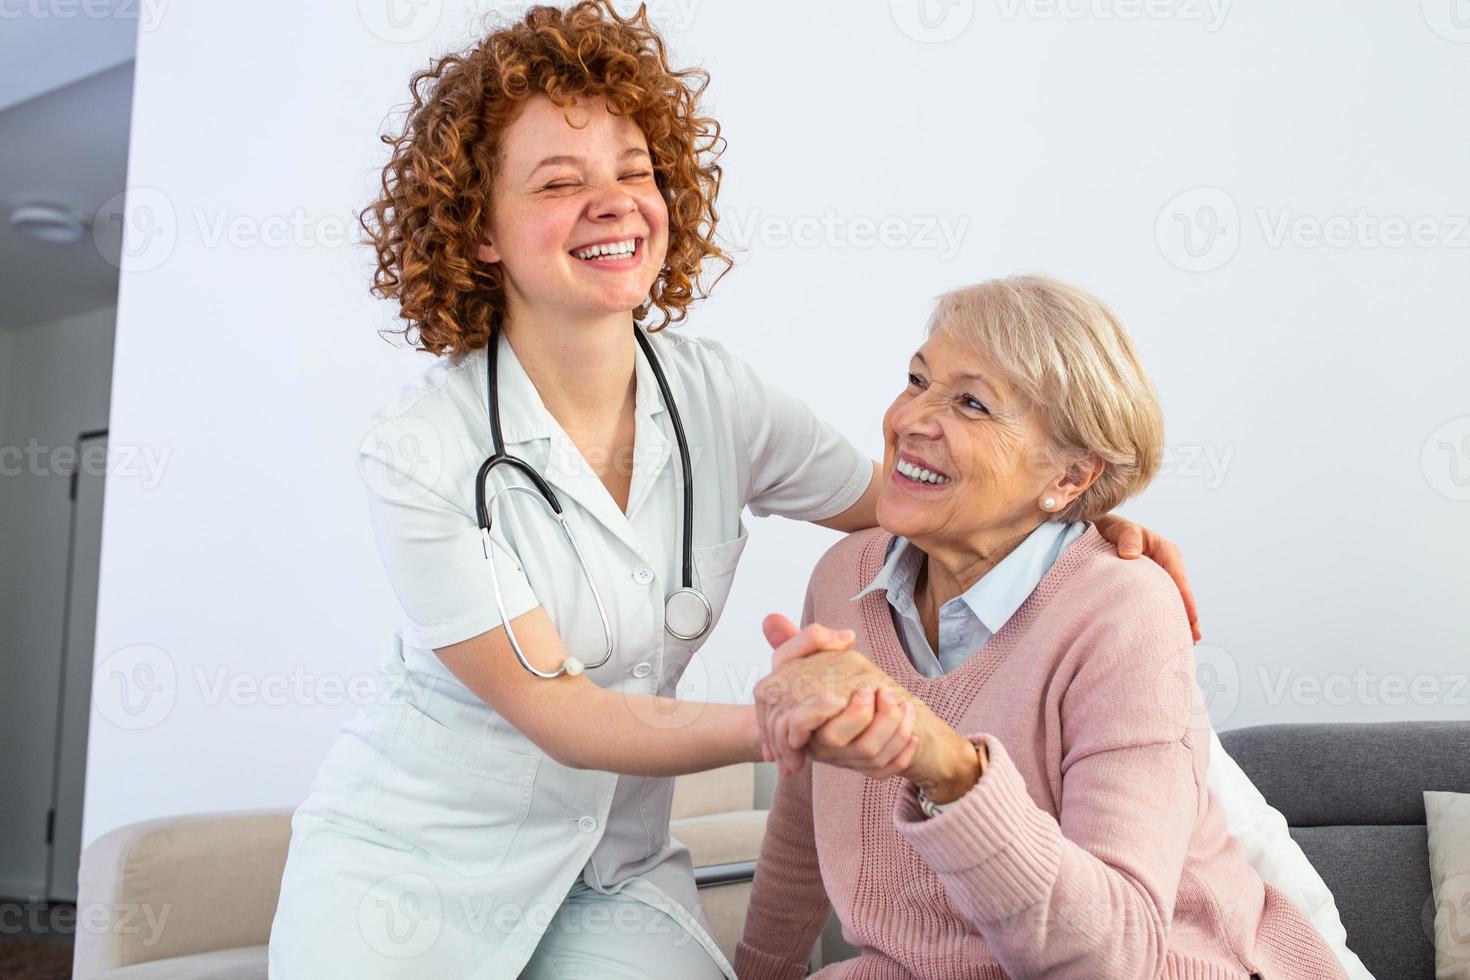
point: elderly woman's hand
(829, 701)
(838, 686)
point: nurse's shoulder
(432, 430)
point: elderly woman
(1051, 817)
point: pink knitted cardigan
(1091, 847)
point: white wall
(54, 380)
(1305, 386)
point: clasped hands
(826, 700)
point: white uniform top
(457, 780)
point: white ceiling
(66, 82)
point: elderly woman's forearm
(1010, 870)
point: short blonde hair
(1068, 355)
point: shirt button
(643, 575)
(643, 669)
(587, 824)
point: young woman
(506, 813)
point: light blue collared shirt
(971, 618)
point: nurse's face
(984, 448)
(564, 196)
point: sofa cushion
(1353, 773)
(243, 963)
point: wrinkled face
(577, 220)
(964, 456)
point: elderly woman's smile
(970, 463)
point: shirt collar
(533, 433)
(524, 416)
(997, 595)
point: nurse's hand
(820, 683)
(1133, 540)
(790, 644)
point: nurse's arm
(864, 513)
(584, 726)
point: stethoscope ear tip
(573, 666)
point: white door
(78, 636)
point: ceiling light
(48, 222)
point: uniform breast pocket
(714, 568)
(459, 799)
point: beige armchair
(193, 896)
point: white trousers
(596, 936)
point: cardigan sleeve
(1090, 895)
(788, 902)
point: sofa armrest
(177, 886)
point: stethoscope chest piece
(687, 614)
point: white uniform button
(643, 575)
(643, 669)
(587, 824)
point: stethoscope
(687, 612)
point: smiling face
(577, 220)
(966, 459)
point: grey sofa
(1353, 797)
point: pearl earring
(1049, 503)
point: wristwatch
(930, 808)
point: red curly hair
(435, 198)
